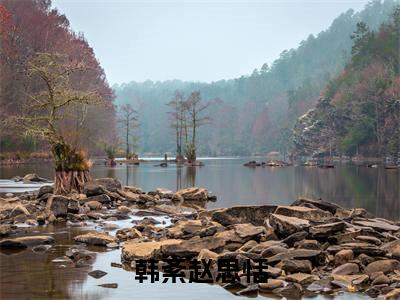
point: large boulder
(326, 206)
(58, 205)
(28, 178)
(26, 241)
(45, 189)
(93, 189)
(284, 225)
(133, 250)
(384, 265)
(248, 231)
(193, 193)
(253, 214)
(301, 212)
(110, 184)
(192, 247)
(102, 198)
(326, 230)
(95, 238)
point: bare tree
(195, 108)
(128, 118)
(52, 103)
(178, 122)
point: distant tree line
(255, 113)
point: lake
(29, 275)
(375, 189)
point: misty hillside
(254, 113)
(358, 113)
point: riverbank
(309, 247)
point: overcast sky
(195, 40)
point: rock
(145, 199)
(193, 193)
(301, 212)
(109, 226)
(346, 269)
(326, 230)
(207, 255)
(248, 245)
(322, 285)
(97, 274)
(358, 248)
(6, 229)
(292, 290)
(109, 285)
(103, 199)
(128, 234)
(255, 215)
(116, 265)
(297, 254)
(26, 241)
(273, 250)
(110, 184)
(273, 272)
(95, 238)
(248, 231)
(94, 205)
(393, 248)
(327, 206)
(343, 256)
(381, 279)
(378, 225)
(351, 279)
(369, 239)
(295, 237)
(41, 248)
(133, 250)
(296, 266)
(259, 248)
(33, 178)
(301, 278)
(91, 189)
(285, 225)
(394, 294)
(45, 189)
(251, 289)
(58, 205)
(18, 210)
(192, 247)
(271, 284)
(308, 244)
(385, 266)
(73, 206)
(124, 209)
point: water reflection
(376, 189)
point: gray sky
(195, 40)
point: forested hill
(359, 112)
(255, 113)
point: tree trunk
(69, 181)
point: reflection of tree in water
(111, 172)
(377, 190)
(190, 177)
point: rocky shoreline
(310, 247)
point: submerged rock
(26, 241)
(95, 238)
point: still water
(29, 275)
(375, 189)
